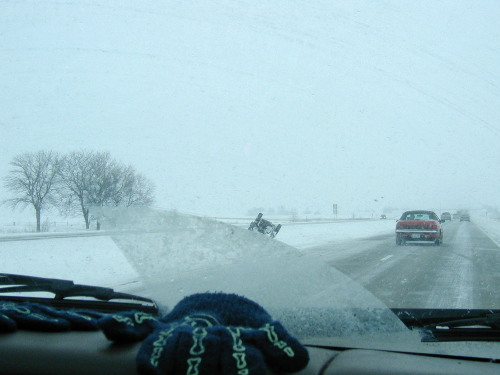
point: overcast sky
(229, 105)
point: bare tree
(105, 178)
(33, 180)
(136, 189)
(88, 179)
(76, 180)
(95, 179)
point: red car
(421, 226)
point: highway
(461, 273)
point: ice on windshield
(177, 255)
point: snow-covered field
(87, 260)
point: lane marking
(385, 258)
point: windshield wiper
(485, 328)
(62, 289)
(453, 325)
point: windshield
(273, 149)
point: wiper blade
(12, 283)
(486, 328)
(441, 334)
(453, 325)
(489, 321)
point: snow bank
(490, 226)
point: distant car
(419, 226)
(383, 217)
(446, 216)
(464, 217)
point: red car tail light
(401, 225)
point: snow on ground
(98, 260)
(308, 235)
(490, 226)
(85, 260)
(309, 232)
(176, 255)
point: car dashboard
(27, 352)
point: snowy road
(462, 273)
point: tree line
(74, 183)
